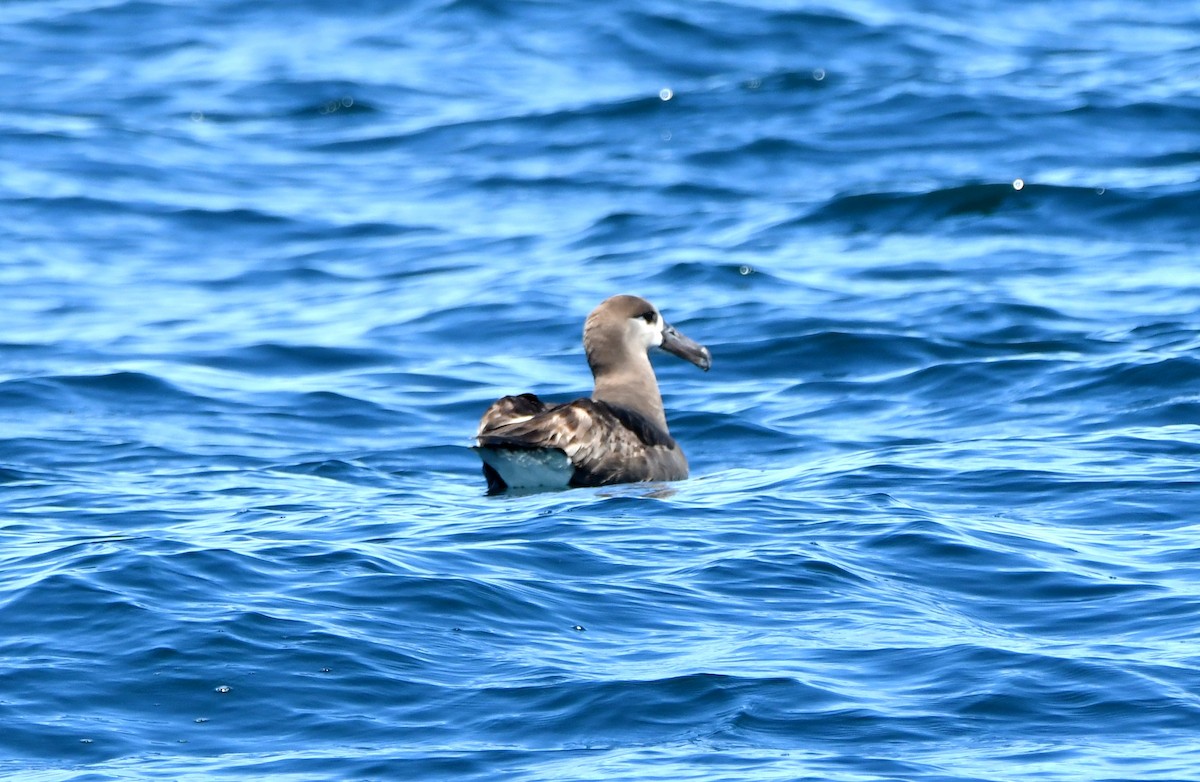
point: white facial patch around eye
(651, 332)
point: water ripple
(268, 266)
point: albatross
(618, 435)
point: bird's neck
(633, 387)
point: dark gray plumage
(619, 435)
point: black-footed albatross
(619, 435)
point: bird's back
(525, 443)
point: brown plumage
(619, 435)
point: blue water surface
(265, 264)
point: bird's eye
(649, 316)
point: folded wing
(601, 443)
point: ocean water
(264, 265)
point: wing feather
(510, 409)
(627, 448)
(605, 443)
